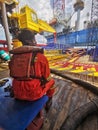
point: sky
(44, 11)
(42, 8)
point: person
(33, 88)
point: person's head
(27, 37)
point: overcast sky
(42, 8)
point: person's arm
(46, 74)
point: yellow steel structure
(9, 1)
(45, 26)
(27, 18)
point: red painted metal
(3, 45)
(37, 123)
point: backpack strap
(42, 79)
(32, 63)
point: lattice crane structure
(59, 10)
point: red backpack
(21, 61)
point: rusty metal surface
(68, 97)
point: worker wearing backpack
(29, 69)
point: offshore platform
(75, 36)
(69, 49)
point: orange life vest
(30, 69)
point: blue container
(4, 55)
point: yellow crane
(27, 18)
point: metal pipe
(78, 20)
(84, 84)
(5, 25)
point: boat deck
(79, 67)
(68, 99)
